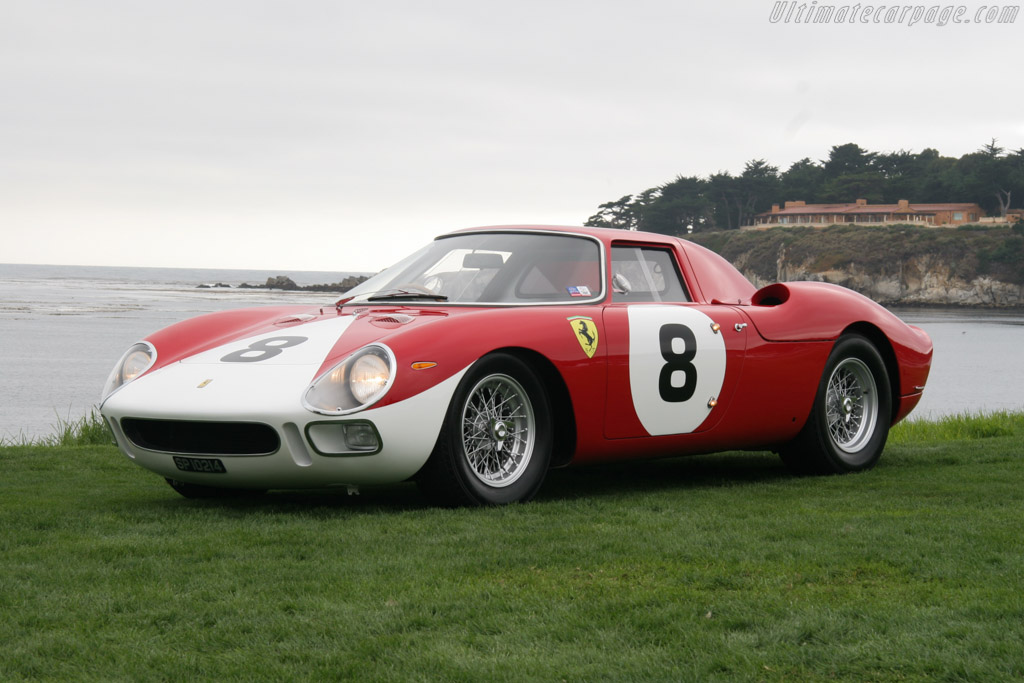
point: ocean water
(62, 328)
(978, 362)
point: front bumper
(306, 450)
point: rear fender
(818, 311)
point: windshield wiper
(403, 294)
(392, 295)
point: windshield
(492, 268)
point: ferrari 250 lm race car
(493, 354)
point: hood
(312, 336)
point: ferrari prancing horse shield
(586, 333)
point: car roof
(605, 234)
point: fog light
(361, 437)
(344, 438)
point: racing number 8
(262, 349)
(677, 362)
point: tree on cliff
(723, 201)
(848, 159)
(989, 171)
(802, 180)
(621, 214)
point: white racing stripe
(294, 345)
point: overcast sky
(316, 135)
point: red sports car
(491, 355)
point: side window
(646, 274)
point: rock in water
(282, 282)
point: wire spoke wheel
(851, 405)
(496, 442)
(849, 421)
(498, 430)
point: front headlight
(357, 382)
(136, 360)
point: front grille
(201, 438)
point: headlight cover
(135, 361)
(355, 383)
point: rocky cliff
(893, 265)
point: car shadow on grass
(394, 498)
(650, 476)
(599, 481)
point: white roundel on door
(676, 366)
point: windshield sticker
(586, 333)
(578, 291)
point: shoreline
(926, 306)
(284, 283)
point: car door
(673, 364)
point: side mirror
(621, 284)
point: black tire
(190, 490)
(491, 454)
(849, 422)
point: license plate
(208, 465)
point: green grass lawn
(716, 567)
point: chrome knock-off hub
(499, 430)
(847, 409)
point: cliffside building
(861, 213)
